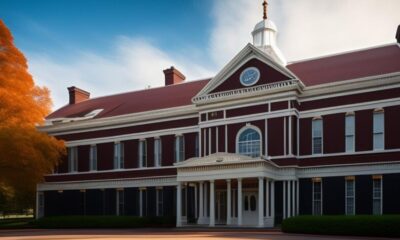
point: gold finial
(265, 5)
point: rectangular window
(317, 196)
(142, 153)
(377, 195)
(72, 159)
(379, 130)
(350, 132)
(118, 156)
(157, 152)
(317, 136)
(93, 158)
(179, 149)
(350, 196)
(120, 202)
(159, 196)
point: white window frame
(159, 202)
(142, 153)
(313, 125)
(244, 129)
(380, 197)
(179, 153)
(350, 132)
(119, 155)
(157, 152)
(73, 159)
(317, 180)
(349, 198)
(376, 131)
(93, 158)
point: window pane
(249, 143)
(378, 141)
(378, 122)
(349, 125)
(350, 143)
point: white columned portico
(260, 202)
(239, 202)
(179, 205)
(229, 201)
(201, 211)
(212, 204)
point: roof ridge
(148, 89)
(341, 53)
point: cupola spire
(264, 37)
(265, 6)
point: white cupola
(264, 38)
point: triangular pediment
(229, 83)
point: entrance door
(250, 208)
(220, 211)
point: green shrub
(103, 222)
(359, 225)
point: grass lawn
(15, 223)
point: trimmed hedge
(104, 222)
(359, 225)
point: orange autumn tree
(25, 153)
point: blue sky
(111, 46)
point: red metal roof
(353, 65)
(134, 102)
(357, 64)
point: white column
(267, 195)
(284, 199)
(289, 191)
(239, 202)
(201, 211)
(229, 201)
(195, 201)
(178, 205)
(293, 198)
(260, 202)
(273, 199)
(212, 204)
(297, 197)
(205, 200)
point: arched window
(249, 142)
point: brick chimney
(398, 34)
(173, 76)
(77, 95)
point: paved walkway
(138, 234)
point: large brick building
(261, 141)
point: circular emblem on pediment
(249, 76)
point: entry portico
(234, 190)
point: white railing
(245, 91)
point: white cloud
(307, 28)
(134, 64)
